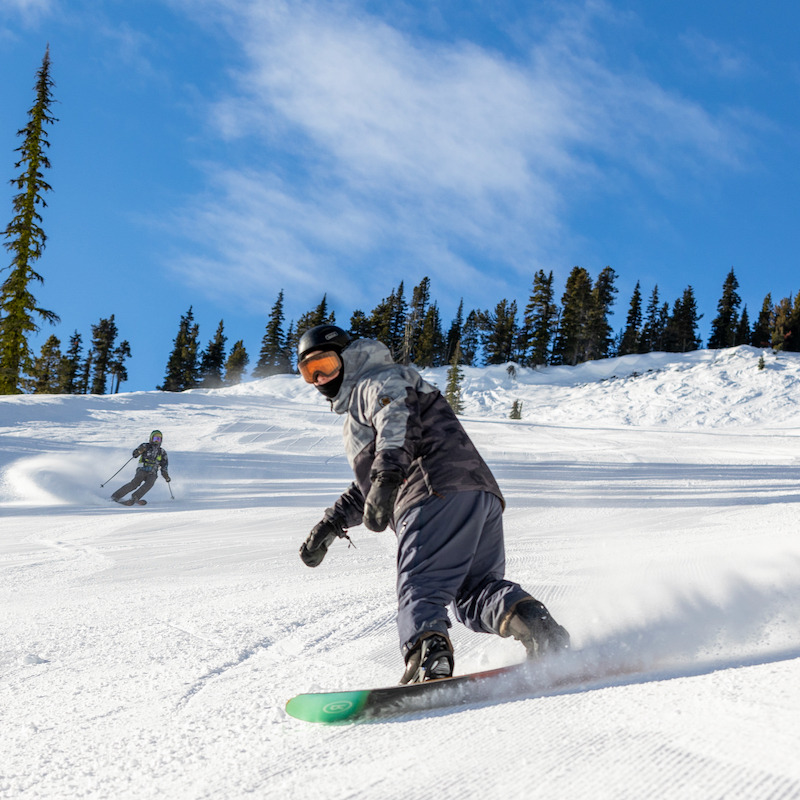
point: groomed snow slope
(652, 505)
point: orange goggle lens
(319, 364)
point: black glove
(137, 452)
(316, 545)
(379, 505)
(165, 477)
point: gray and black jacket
(152, 457)
(397, 421)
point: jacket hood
(361, 357)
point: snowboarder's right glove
(379, 505)
(165, 477)
(316, 545)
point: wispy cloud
(30, 10)
(717, 58)
(400, 154)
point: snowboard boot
(530, 623)
(430, 659)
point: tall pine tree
(761, 335)
(599, 332)
(45, 374)
(501, 333)
(630, 340)
(26, 240)
(182, 366)
(236, 363)
(104, 335)
(116, 367)
(540, 321)
(725, 324)
(71, 365)
(212, 360)
(273, 358)
(572, 341)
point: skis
(130, 501)
(503, 683)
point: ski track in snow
(652, 505)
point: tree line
(547, 331)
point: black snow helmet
(322, 337)
(325, 337)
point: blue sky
(213, 152)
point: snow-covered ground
(652, 505)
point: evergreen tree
(359, 325)
(454, 334)
(104, 334)
(71, 365)
(319, 316)
(26, 240)
(430, 346)
(116, 367)
(386, 323)
(455, 376)
(762, 330)
(85, 374)
(743, 333)
(212, 360)
(782, 329)
(572, 341)
(655, 324)
(45, 374)
(397, 323)
(598, 329)
(182, 367)
(470, 338)
(540, 321)
(792, 338)
(273, 358)
(630, 340)
(680, 335)
(725, 324)
(501, 333)
(516, 410)
(236, 363)
(418, 311)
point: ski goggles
(156, 439)
(323, 364)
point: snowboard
(502, 683)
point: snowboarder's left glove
(165, 477)
(379, 505)
(316, 545)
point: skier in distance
(417, 471)
(152, 457)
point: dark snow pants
(145, 477)
(451, 552)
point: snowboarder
(417, 471)
(152, 457)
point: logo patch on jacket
(384, 401)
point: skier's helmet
(321, 340)
(322, 337)
(156, 437)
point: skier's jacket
(399, 422)
(152, 457)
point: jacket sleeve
(398, 427)
(139, 450)
(164, 463)
(349, 508)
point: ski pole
(169, 486)
(119, 470)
